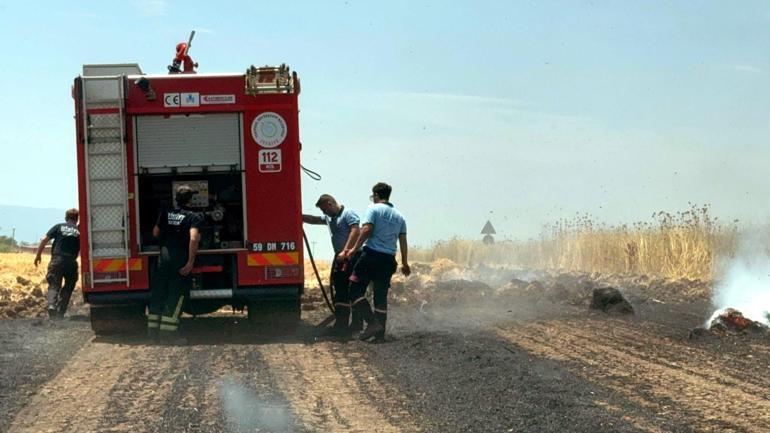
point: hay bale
(610, 300)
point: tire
(275, 317)
(200, 307)
(119, 319)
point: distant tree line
(8, 245)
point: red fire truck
(234, 139)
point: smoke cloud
(246, 412)
(746, 282)
(460, 300)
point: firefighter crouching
(343, 226)
(382, 227)
(63, 265)
(178, 233)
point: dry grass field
(682, 245)
(22, 285)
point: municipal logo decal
(269, 129)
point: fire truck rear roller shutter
(195, 140)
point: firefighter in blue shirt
(178, 233)
(382, 227)
(63, 265)
(343, 226)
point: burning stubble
(451, 298)
(746, 282)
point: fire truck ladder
(106, 172)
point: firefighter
(343, 226)
(63, 265)
(178, 233)
(382, 228)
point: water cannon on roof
(183, 63)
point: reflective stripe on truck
(264, 259)
(117, 265)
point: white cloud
(151, 8)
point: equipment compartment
(219, 200)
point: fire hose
(315, 176)
(318, 275)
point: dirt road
(502, 368)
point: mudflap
(118, 319)
(274, 316)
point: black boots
(356, 322)
(341, 319)
(373, 326)
(383, 319)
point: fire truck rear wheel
(199, 307)
(281, 317)
(122, 319)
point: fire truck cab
(234, 139)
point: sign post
(488, 231)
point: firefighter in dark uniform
(382, 227)
(178, 233)
(343, 226)
(63, 265)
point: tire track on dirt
(731, 368)
(122, 388)
(247, 393)
(396, 411)
(32, 352)
(186, 396)
(671, 354)
(75, 399)
(639, 423)
(629, 385)
(330, 392)
(197, 389)
(138, 398)
(647, 380)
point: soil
(465, 353)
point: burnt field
(482, 349)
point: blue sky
(522, 111)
